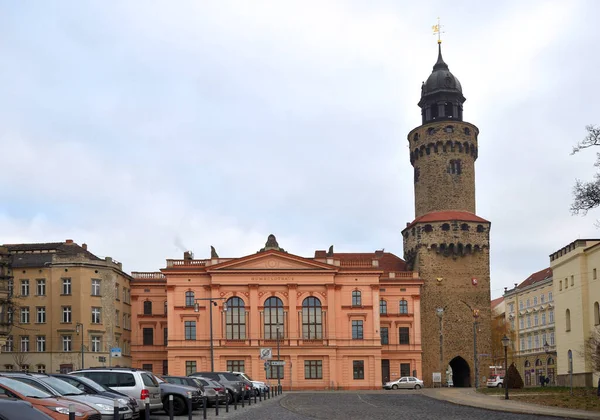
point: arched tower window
(464, 226)
(382, 306)
(235, 319)
(403, 306)
(312, 320)
(445, 227)
(356, 298)
(455, 166)
(596, 313)
(416, 137)
(147, 307)
(568, 320)
(480, 228)
(428, 228)
(467, 131)
(449, 110)
(189, 298)
(273, 318)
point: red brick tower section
(447, 243)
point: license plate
(127, 416)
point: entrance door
(461, 373)
(385, 370)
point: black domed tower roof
(441, 94)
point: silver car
(405, 382)
(61, 388)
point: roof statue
(330, 252)
(213, 252)
(272, 244)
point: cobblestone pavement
(359, 406)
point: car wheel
(499, 385)
(229, 397)
(394, 386)
(417, 386)
(179, 406)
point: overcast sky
(144, 128)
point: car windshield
(159, 380)
(24, 389)
(60, 386)
(245, 375)
(94, 385)
(197, 381)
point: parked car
(235, 386)
(136, 383)
(56, 407)
(495, 381)
(213, 391)
(90, 387)
(180, 393)
(60, 388)
(12, 408)
(258, 386)
(405, 382)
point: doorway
(461, 373)
(385, 370)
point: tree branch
(592, 139)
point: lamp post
(440, 313)
(505, 343)
(79, 326)
(213, 302)
(278, 367)
(475, 313)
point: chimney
(84, 246)
(69, 241)
(188, 256)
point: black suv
(236, 387)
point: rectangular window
(25, 344)
(236, 366)
(66, 314)
(542, 298)
(529, 343)
(41, 287)
(9, 368)
(165, 366)
(535, 320)
(560, 285)
(66, 286)
(41, 368)
(190, 367)
(273, 371)
(572, 280)
(190, 330)
(25, 315)
(147, 366)
(512, 307)
(96, 344)
(551, 315)
(522, 343)
(356, 298)
(166, 336)
(24, 287)
(543, 318)
(358, 369)
(534, 300)
(96, 315)
(566, 283)
(66, 343)
(9, 346)
(528, 321)
(117, 292)
(536, 341)
(357, 330)
(544, 339)
(40, 316)
(148, 336)
(595, 276)
(117, 318)
(528, 303)
(512, 324)
(549, 296)
(95, 287)
(404, 369)
(521, 323)
(40, 341)
(385, 339)
(404, 335)
(521, 305)
(313, 369)
(551, 338)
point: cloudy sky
(144, 128)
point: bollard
(242, 400)
(115, 410)
(255, 395)
(249, 399)
(260, 395)
(271, 391)
(171, 407)
(235, 403)
(280, 389)
(205, 407)
(189, 404)
(71, 412)
(226, 404)
(217, 409)
(147, 408)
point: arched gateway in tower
(447, 243)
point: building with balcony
(70, 308)
(337, 320)
(530, 312)
(577, 296)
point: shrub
(513, 377)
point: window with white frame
(356, 298)
(96, 344)
(535, 319)
(528, 321)
(25, 315)
(24, 287)
(96, 315)
(551, 315)
(521, 305)
(536, 340)
(552, 338)
(549, 296)
(95, 287)
(66, 286)
(534, 300)
(66, 314)
(24, 343)
(41, 368)
(522, 343)
(41, 287)
(521, 323)
(9, 346)
(529, 342)
(66, 343)
(542, 298)
(543, 318)
(40, 343)
(117, 318)
(40, 316)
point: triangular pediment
(271, 260)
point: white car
(257, 385)
(495, 381)
(406, 382)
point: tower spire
(437, 29)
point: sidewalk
(468, 396)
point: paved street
(376, 405)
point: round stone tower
(447, 243)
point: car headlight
(104, 407)
(64, 410)
(189, 394)
(123, 401)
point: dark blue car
(11, 409)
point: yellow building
(530, 314)
(5, 299)
(66, 299)
(577, 294)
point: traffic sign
(266, 353)
(115, 352)
(277, 363)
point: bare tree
(592, 347)
(20, 357)
(586, 195)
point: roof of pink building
(536, 277)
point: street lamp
(77, 328)
(213, 302)
(505, 343)
(440, 313)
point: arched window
(356, 298)
(428, 228)
(527, 364)
(445, 227)
(479, 228)
(568, 320)
(382, 306)
(147, 307)
(550, 361)
(596, 313)
(464, 226)
(312, 322)
(273, 318)
(467, 131)
(235, 319)
(538, 362)
(189, 298)
(403, 306)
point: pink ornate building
(342, 321)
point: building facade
(447, 243)
(69, 308)
(6, 308)
(577, 295)
(530, 316)
(337, 321)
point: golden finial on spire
(437, 29)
